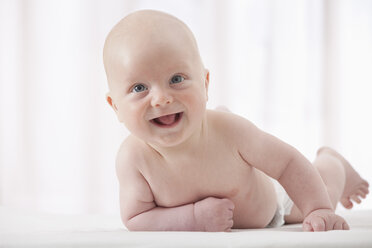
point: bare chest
(182, 182)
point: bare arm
(304, 184)
(137, 207)
(292, 170)
(164, 219)
(140, 213)
(210, 214)
(285, 164)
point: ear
(111, 102)
(206, 81)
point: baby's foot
(355, 186)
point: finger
(329, 223)
(229, 214)
(232, 207)
(230, 204)
(338, 225)
(306, 227)
(318, 224)
(345, 226)
(230, 223)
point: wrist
(326, 209)
(324, 204)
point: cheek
(132, 122)
(196, 102)
(121, 115)
(129, 116)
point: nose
(161, 98)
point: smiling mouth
(167, 121)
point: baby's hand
(214, 214)
(324, 220)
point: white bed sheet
(25, 229)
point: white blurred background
(299, 69)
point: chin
(168, 142)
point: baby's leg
(355, 186)
(342, 181)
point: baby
(185, 168)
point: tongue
(167, 119)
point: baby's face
(158, 86)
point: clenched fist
(214, 214)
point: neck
(190, 147)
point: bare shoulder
(135, 194)
(258, 148)
(232, 124)
(129, 155)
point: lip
(178, 119)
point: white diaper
(285, 205)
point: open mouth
(167, 120)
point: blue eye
(177, 79)
(139, 88)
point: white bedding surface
(22, 229)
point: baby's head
(157, 82)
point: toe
(356, 199)
(346, 203)
(345, 226)
(365, 190)
(360, 193)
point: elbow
(136, 221)
(130, 224)
(287, 166)
(125, 223)
(129, 220)
(296, 167)
(133, 224)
